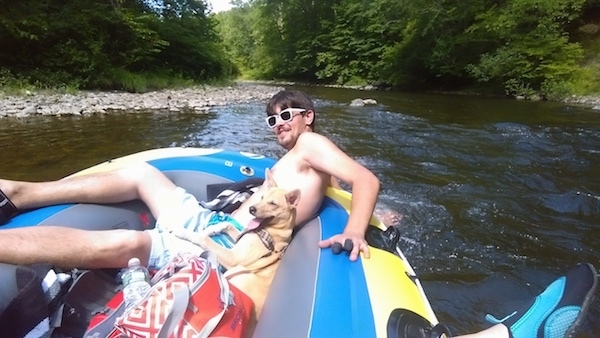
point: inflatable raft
(315, 292)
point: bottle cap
(134, 262)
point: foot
(181, 233)
(558, 310)
(388, 217)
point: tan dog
(251, 263)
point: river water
(499, 197)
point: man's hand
(352, 242)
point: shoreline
(198, 99)
(592, 101)
(588, 101)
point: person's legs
(141, 181)
(69, 248)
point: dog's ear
(269, 180)
(292, 197)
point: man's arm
(334, 183)
(323, 155)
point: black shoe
(7, 208)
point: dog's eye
(272, 203)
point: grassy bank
(117, 80)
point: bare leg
(68, 247)
(496, 331)
(135, 182)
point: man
(311, 164)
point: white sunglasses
(285, 115)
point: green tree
(102, 44)
(193, 49)
(75, 42)
(287, 37)
(431, 48)
(356, 40)
(235, 28)
(533, 49)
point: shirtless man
(311, 164)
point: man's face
(288, 124)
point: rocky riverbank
(591, 101)
(197, 99)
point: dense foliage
(108, 44)
(520, 47)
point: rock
(357, 103)
(362, 102)
(30, 110)
(596, 107)
(21, 115)
(535, 97)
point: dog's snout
(252, 210)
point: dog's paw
(183, 233)
(216, 229)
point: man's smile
(280, 130)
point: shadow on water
(499, 197)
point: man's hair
(291, 99)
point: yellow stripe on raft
(145, 156)
(390, 288)
(387, 278)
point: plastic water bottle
(136, 283)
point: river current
(498, 197)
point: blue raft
(314, 293)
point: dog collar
(266, 239)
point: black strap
(383, 239)
(265, 237)
(404, 323)
(87, 297)
(440, 331)
(29, 307)
(231, 195)
(105, 327)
